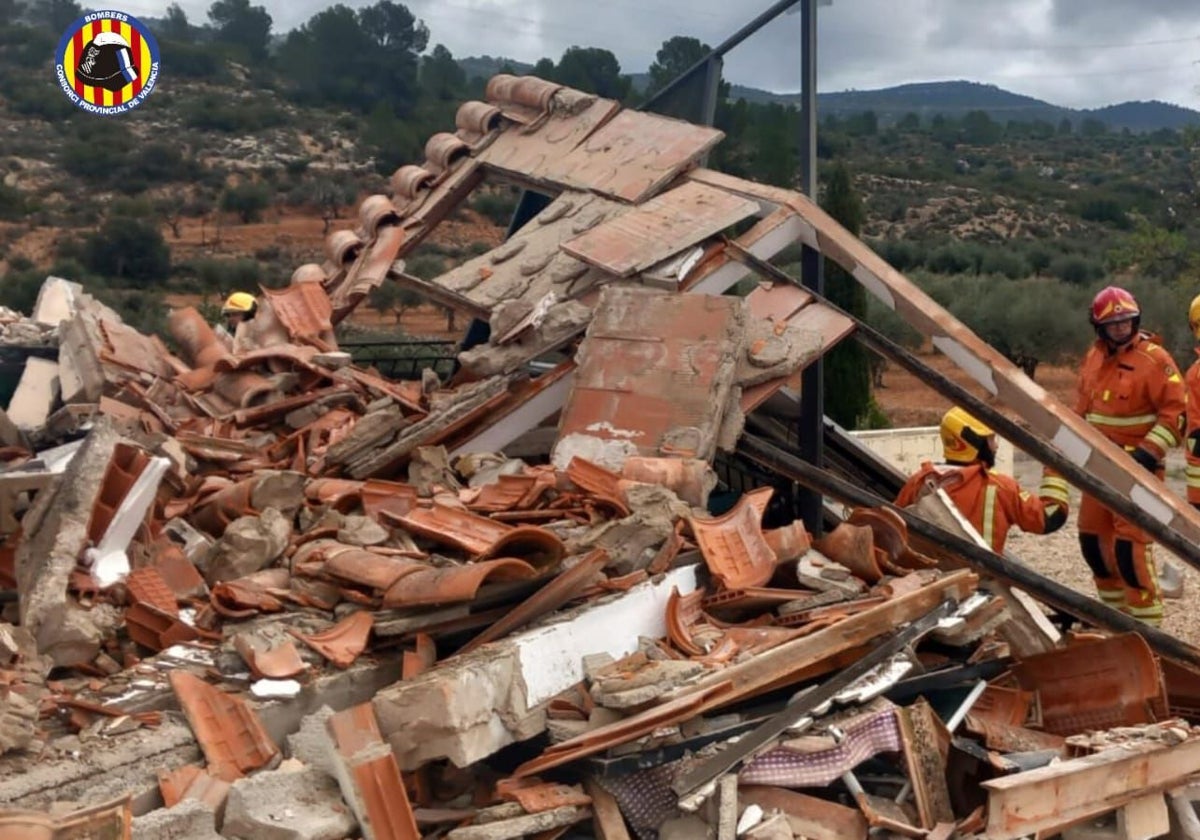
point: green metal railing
(403, 358)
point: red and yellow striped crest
(107, 62)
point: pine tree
(847, 366)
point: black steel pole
(811, 429)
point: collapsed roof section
(633, 207)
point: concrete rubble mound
(253, 589)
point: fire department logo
(107, 62)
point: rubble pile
(254, 590)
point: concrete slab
(57, 528)
(189, 820)
(283, 805)
(57, 301)
(36, 395)
(474, 705)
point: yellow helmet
(965, 439)
(1194, 317)
(239, 302)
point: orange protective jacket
(992, 502)
(1191, 442)
(1134, 395)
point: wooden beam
(607, 820)
(817, 819)
(926, 769)
(1058, 795)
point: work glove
(1146, 459)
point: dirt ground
(909, 402)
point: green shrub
(130, 251)
(496, 206)
(247, 200)
(1076, 270)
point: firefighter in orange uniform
(992, 502)
(1192, 379)
(1131, 391)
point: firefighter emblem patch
(107, 62)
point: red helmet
(1112, 304)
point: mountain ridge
(950, 98)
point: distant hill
(486, 66)
(929, 98)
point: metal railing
(404, 358)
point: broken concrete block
(250, 544)
(18, 721)
(362, 531)
(36, 396)
(81, 374)
(10, 435)
(309, 743)
(278, 805)
(57, 301)
(631, 542)
(56, 530)
(191, 819)
(474, 705)
(625, 691)
(196, 545)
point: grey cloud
(1078, 53)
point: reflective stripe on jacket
(1135, 396)
(992, 502)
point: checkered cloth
(866, 736)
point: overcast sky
(1077, 53)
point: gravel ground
(1057, 555)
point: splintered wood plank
(926, 769)
(664, 225)
(607, 819)
(808, 816)
(1052, 797)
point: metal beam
(725, 46)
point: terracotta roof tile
(230, 733)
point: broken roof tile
(733, 544)
(230, 734)
(342, 643)
(431, 586)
